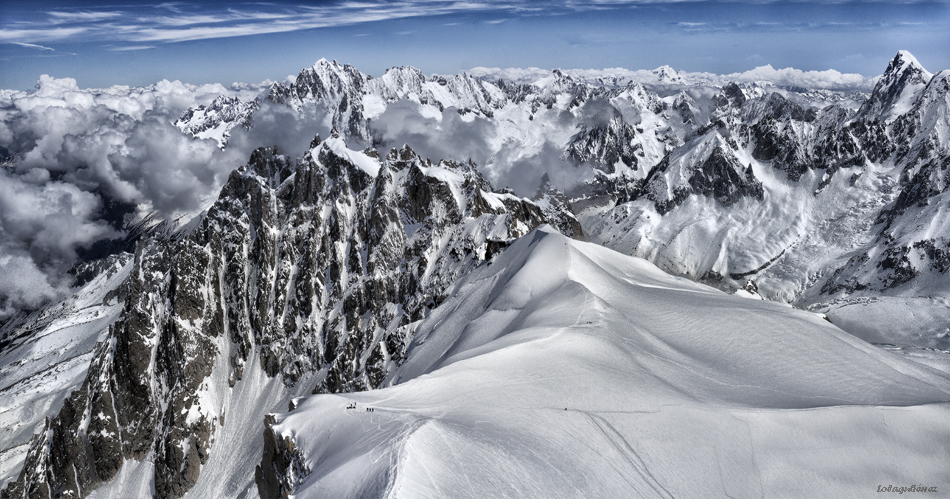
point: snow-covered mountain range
(825, 198)
(821, 207)
(492, 348)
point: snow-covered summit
(897, 89)
(565, 369)
(666, 74)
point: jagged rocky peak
(897, 89)
(401, 82)
(339, 88)
(470, 94)
(312, 270)
(556, 207)
(909, 256)
(686, 106)
(641, 98)
(774, 106)
(216, 120)
(904, 66)
(606, 145)
(325, 80)
(731, 95)
(709, 167)
(666, 74)
(729, 102)
(558, 82)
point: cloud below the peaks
(76, 165)
(73, 161)
(505, 163)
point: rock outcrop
(315, 268)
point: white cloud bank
(816, 80)
(74, 161)
(70, 156)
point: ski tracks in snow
(641, 480)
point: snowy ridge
(46, 357)
(217, 119)
(820, 207)
(480, 354)
(304, 276)
(898, 89)
(567, 370)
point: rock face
(820, 205)
(316, 269)
(605, 145)
(218, 118)
(897, 89)
(338, 87)
(709, 168)
(910, 251)
(45, 355)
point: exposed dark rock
(315, 264)
(605, 145)
(720, 176)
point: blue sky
(133, 43)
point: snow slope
(565, 369)
(303, 277)
(48, 356)
(823, 208)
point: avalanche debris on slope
(568, 370)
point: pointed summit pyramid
(666, 74)
(897, 89)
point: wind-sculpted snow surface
(564, 369)
(311, 272)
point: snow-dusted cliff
(342, 271)
(565, 369)
(304, 275)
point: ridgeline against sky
(138, 43)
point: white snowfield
(565, 369)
